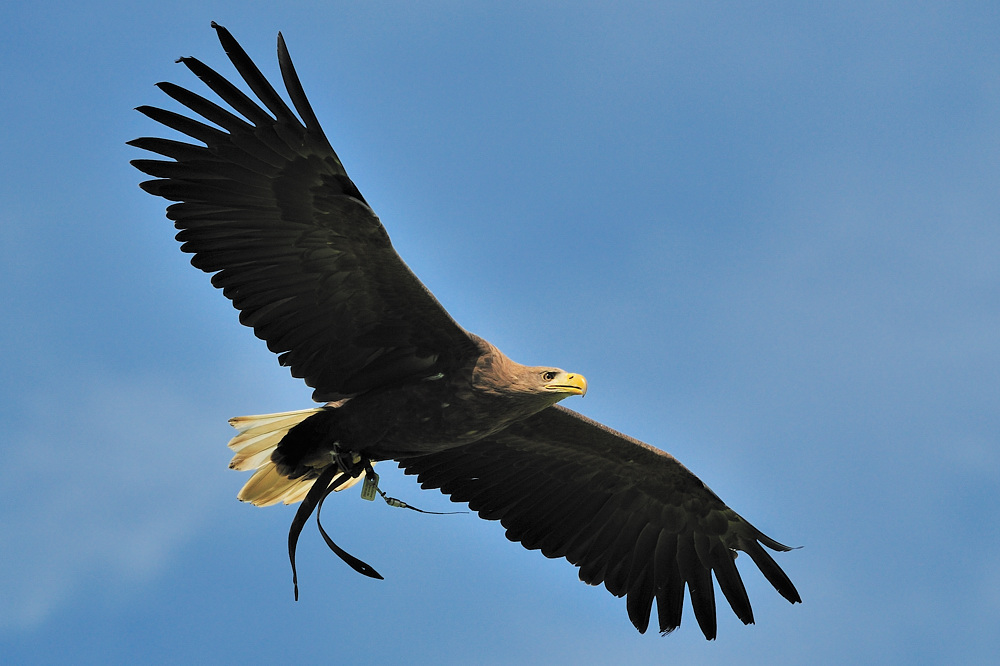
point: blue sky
(768, 236)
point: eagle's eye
(548, 376)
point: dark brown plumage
(267, 207)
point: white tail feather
(258, 437)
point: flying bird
(263, 203)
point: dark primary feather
(629, 515)
(267, 206)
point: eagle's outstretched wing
(267, 206)
(629, 515)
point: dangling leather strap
(323, 486)
(353, 562)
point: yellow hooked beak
(571, 384)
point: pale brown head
(496, 373)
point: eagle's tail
(258, 437)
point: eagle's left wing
(629, 515)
